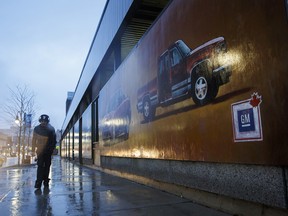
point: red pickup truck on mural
(184, 73)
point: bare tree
(18, 107)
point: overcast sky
(44, 44)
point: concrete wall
(259, 184)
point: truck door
(164, 80)
(178, 72)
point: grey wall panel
(260, 184)
(111, 20)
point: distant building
(3, 139)
(8, 140)
(69, 100)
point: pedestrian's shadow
(43, 202)
(39, 192)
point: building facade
(189, 94)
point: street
(78, 190)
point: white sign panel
(246, 119)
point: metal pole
(19, 143)
(23, 144)
(23, 137)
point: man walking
(44, 141)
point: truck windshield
(184, 48)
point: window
(175, 57)
(286, 1)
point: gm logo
(246, 120)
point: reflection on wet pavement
(77, 190)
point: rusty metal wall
(256, 33)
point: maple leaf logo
(255, 99)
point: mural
(116, 121)
(183, 73)
(223, 61)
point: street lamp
(18, 121)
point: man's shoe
(46, 190)
(46, 183)
(38, 184)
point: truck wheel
(201, 89)
(148, 110)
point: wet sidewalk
(77, 190)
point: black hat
(44, 118)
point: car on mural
(184, 73)
(116, 121)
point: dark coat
(44, 138)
